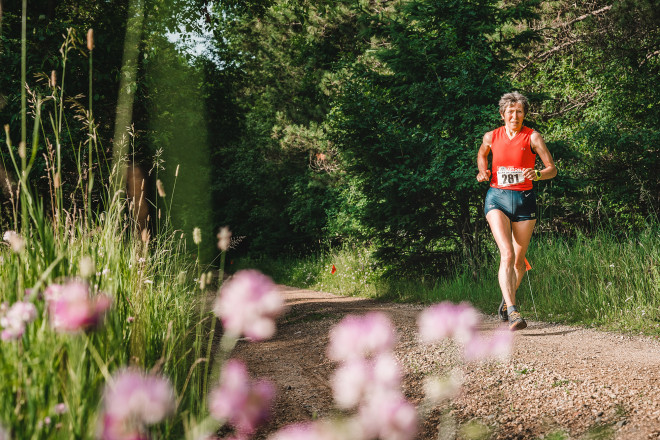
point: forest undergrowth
(605, 279)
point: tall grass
(605, 280)
(159, 320)
(153, 325)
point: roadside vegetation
(607, 279)
(106, 330)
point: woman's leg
(522, 233)
(500, 226)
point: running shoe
(516, 321)
(501, 312)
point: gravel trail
(583, 383)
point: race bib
(509, 176)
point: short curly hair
(511, 98)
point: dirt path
(586, 384)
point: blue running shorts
(518, 206)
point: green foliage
(270, 185)
(150, 283)
(177, 134)
(407, 120)
(607, 279)
(595, 70)
(359, 122)
(154, 323)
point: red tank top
(510, 157)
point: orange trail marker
(528, 267)
(334, 269)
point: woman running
(510, 205)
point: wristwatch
(538, 174)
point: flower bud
(53, 79)
(22, 150)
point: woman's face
(513, 116)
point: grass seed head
(224, 238)
(160, 188)
(86, 267)
(90, 39)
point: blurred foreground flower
(4, 434)
(320, 430)
(134, 401)
(248, 305)
(459, 321)
(448, 320)
(72, 309)
(369, 378)
(16, 242)
(359, 380)
(389, 416)
(498, 346)
(244, 403)
(361, 336)
(14, 320)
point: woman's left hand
(529, 174)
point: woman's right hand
(483, 176)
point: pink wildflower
(244, 403)
(350, 382)
(60, 408)
(298, 431)
(356, 380)
(387, 373)
(116, 429)
(134, 401)
(320, 430)
(248, 305)
(361, 336)
(72, 309)
(445, 320)
(499, 346)
(53, 292)
(388, 416)
(15, 318)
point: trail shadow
(563, 332)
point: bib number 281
(509, 176)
